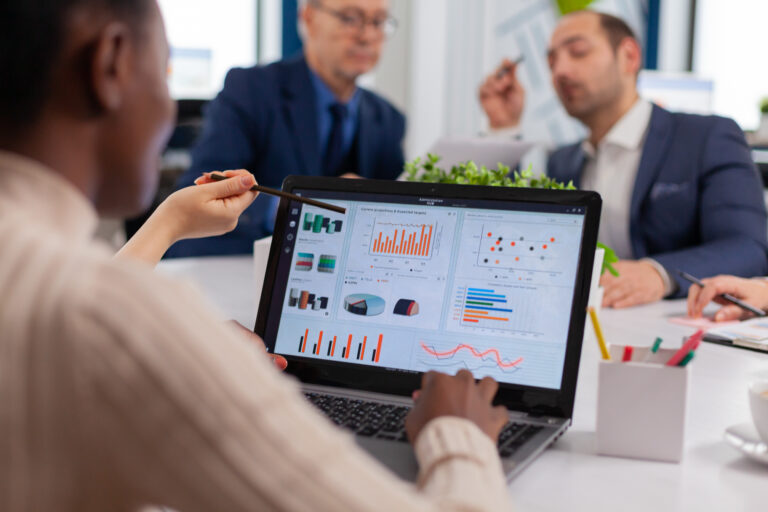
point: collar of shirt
(39, 195)
(324, 99)
(629, 130)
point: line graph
(503, 364)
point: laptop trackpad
(397, 456)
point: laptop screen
(407, 283)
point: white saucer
(744, 438)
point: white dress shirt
(611, 170)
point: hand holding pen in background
(502, 96)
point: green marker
(686, 359)
(654, 349)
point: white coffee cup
(758, 402)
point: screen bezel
(533, 400)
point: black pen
(506, 69)
(279, 193)
(725, 296)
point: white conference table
(570, 475)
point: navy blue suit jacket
(265, 120)
(697, 203)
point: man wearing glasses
(302, 115)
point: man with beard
(302, 115)
(680, 192)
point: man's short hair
(32, 34)
(616, 29)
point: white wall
(674, 35)
(221, 34)
(730, 48)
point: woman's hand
(212, 208)
(752, 291)
(251, 337)
(458, 395)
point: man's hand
(459, 395)
(251, 336)
(752, 291)
(502, 96)
(638, 283)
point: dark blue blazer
(697, 203)
(265, 120)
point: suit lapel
(300, 110)
(654, 150)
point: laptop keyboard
(387, 421)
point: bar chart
(485, 307)
(354, 348)
(407, 240)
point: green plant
(469, 173)
(764, 106)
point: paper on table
(752, 333)
(705, 323)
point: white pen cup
(758, 403)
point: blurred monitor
(677, 92)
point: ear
(633, 56)
(110, 66)
(306, 16)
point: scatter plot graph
(513, 248)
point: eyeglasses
(355, 20)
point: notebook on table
(417, 277)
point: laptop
(420, 276)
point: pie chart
(364, 304)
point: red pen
(691, 343)
(627, 354)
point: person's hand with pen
(193, 212)
(502, 96)
(751, 291)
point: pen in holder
(641, 405)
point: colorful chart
(454, 357)
(326, 263)
(364, 304)
(484, 305)
(303, 299)
(352, 346)
(318, 223)
(414, 240)
(406, 307)
(304, 261)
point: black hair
(616, 29)
(32, 36)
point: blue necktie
(334, 150)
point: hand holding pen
(502, 96)
(741, 297)
(209, 177)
